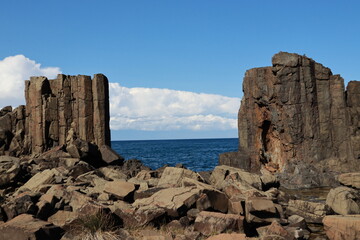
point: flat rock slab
(313, 212)
(209, 223)
(246, 180)
(119, 189)
(350, 179)
(342, 227)
(171, 199)
(44, 177)
(63, 218)
(261, 210)
(172, 176)
(25, 227)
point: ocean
(194, 154)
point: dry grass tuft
(98, 226)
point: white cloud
(153, 109)
(13, 71)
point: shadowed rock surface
(296, 119)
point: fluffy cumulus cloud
(154, 109)
(13, 71)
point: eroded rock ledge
(297, 119)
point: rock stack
(297, 119)
(57, 111)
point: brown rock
(209, 223)
(297, 221)
(261, 210)
(295, 117)
(350, 179)
(44, 177)
(172, 176)
(221, 175)
(9, 169)
(275, 228)
(140, 216)
(236, 205)
(235, 159)
(67, 105)
(25, 227)
(342, 227)
(110, 156)
(63, 219)
(228, 236)
(176, 201)
(344, 200)
(313, 212)
(217, 200)
(119, 189)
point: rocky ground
(57, 195)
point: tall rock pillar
(76, 103)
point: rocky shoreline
(42, 202)
(60, 179)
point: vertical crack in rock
(56, 111)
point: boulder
(313, 212)
(112, 173)
(9, 169)
(342, 227)
(63, 219)
(24, 227)
(132, 167)
(41, 178)
(236, 205)
(209, 223)
(175, 201)
(344, 200)
(221, 175)
(109, 156)
(276, 229)
(238, 159)
(172, 176)
(261, 210)
(22, 203)
(350, 179)
(297, 221)
(217, 199)
(119, 189)
(139, 216)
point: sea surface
(194, 154)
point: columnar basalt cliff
(57, 111)
(297, 119)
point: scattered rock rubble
(168, 203)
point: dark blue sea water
(195, 154)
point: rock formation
(57, 111)
(296, 119)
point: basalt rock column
(75, 105)
(296, 119)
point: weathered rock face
(57, 112)
(295, 116)
(67, 107)
(12, 131)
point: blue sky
(188, 46)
